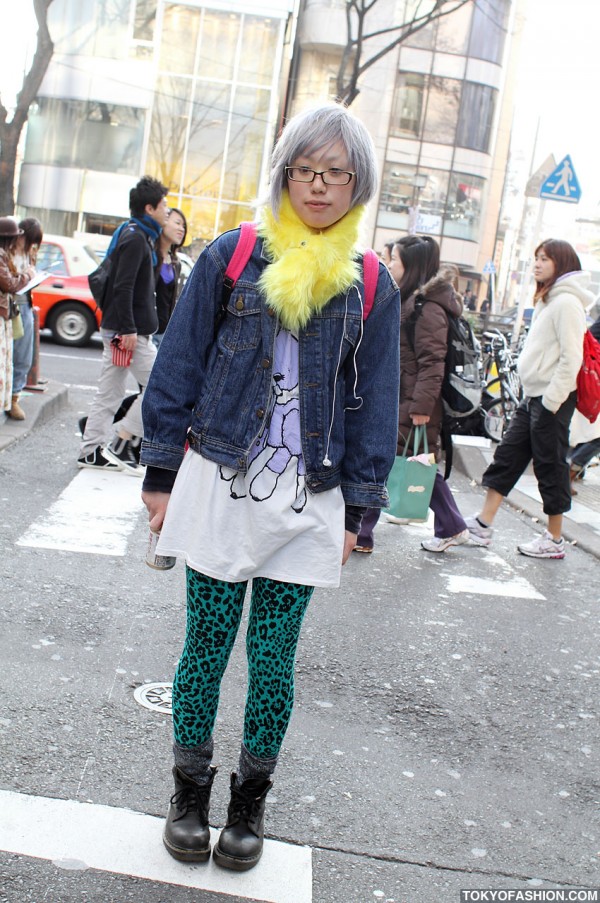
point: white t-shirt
(264, 523)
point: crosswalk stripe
(76, 835)
(95, 514)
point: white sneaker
(543, 547)
(480, 535)
(402, 521)
(441, 543)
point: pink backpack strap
(370, 277)
(241, 255)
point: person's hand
(30, 272)
(156, 503)
(128, 342)
(420, 419)
(349, 543)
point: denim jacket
(214, 390)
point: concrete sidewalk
(472, 454)
(39, 406)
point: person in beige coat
(11, 281)
(539, 431)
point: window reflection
(218, 45)
(259, 39)
(208, 134)
(407, 110)
(463, 211)
(443, 101)
(144, 20)
(169, 128)
(488, 32)
(476, 117)
(180, 30)
(88, 135)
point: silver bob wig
(317, 128)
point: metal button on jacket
(239, 304)
(260, 413)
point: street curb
(39, 407)
(470, 461)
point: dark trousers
(536, 434)
(367, 525)
(448, 521)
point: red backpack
(588, 379)
(243, 252)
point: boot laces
(191, 799)
(246, 804)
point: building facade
(187, 92)
(439, 108)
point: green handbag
(410, 483)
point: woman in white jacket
(539, 431)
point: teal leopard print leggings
(214, 611)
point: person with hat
(11, 281)
(26, 249)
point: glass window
(88, 135)
(476, 117)
(51, 258)
(407, 109)
(259, 44)
(246, 142)
(94, 27)
(463, 210)
(231, 215)
(208, 135)
(168, 132)
(396, 196)
(488, 31)
(424, 37)
(219, 45)
(144, 20)
(181, 26)
(453, 30)
(430, 201)
(441, 116)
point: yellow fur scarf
(309, 267)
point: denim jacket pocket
(240, 329)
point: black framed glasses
(328, 176)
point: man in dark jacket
(128, 321)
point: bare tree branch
(10, 132)
(352, 66)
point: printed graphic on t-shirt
(278, 449)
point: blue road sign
(562, 183)
(489, 267)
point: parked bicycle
(502, 386)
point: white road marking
(76, 835)
(95, 514)
(516, 588)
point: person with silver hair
(270, 423)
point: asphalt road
(445, 735)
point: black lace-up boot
(187, 834)
(240, 845)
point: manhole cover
(157, 697)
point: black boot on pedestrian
(240, 845)
(187, 833)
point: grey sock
(252, 767)
(195, 760)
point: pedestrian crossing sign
(562, 183)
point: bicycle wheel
(496, 418)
